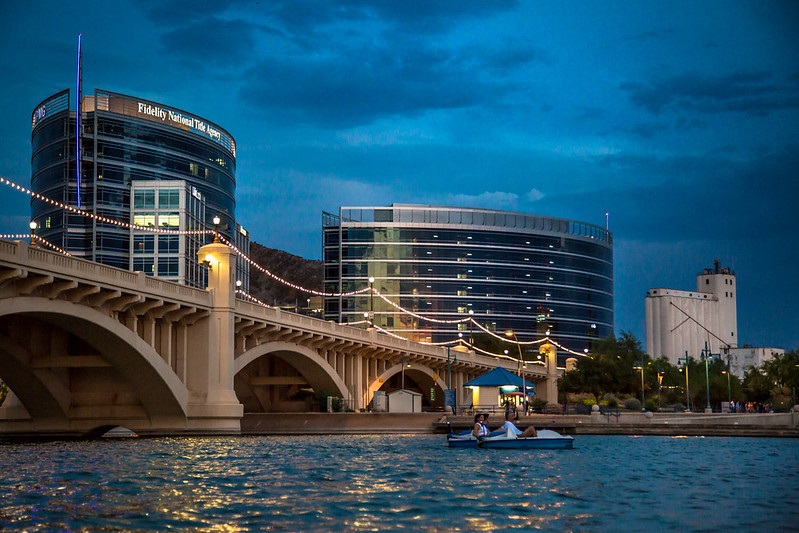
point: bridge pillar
(550, 390)
(211, 380)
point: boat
(546, 440)
(463, 439)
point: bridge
(85, 347)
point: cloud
(535, 195)
(752, 93)
(212, 40)
(485, 200)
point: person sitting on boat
(510, 419)
(480, 427)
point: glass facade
(528, 273)
(125, 140)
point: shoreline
(626, 423)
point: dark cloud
(348, 86)
(754, 93)
(746, 198)
(210, 40)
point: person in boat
(510, 422)
(480, 426)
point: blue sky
(680, 119)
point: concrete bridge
(85, 347)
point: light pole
(706, 355)
(684, 361)
(729, 392)
(449, 370)
(33, 226)
(643, 398)
(403, 371)
(471, 324)
(660, 382)
(372, 297)
(511, 333)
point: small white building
(741, 359)
(404, 401)
(680, 322)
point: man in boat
(510, 419)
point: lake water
(392, 482)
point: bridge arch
(42, 381)
(314, 369)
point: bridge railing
(18, 254)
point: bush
(609, 400)
(632, 404)
(538, 404)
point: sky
(678, 118)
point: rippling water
(389, 482)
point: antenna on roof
(78, 83)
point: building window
(144, 199)
(144, 219)
(143, 244)
(169, 199)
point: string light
(366, 290)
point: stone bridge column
(551, 358)
(212, 343)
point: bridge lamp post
(471, 325)
(216, 221)
(372, 296)
(684, 361)
(512, 334)
(33, 226)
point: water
(392, 482)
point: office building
(139, 162)
(510, 271)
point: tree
(609, 369)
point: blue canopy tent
(499, 377)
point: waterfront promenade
(596, 423)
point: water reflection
(362, 483)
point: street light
(33, 226)
(729, 392)
(643, 400)
(684, 361)
(371, 295)
(471, 324)
(706, 355)
(511, 333)
(660, 381)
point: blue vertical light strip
(77, 119)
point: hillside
(303, 272)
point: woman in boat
(510, 419)
(480, 426)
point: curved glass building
(532, 274)
(140, 162)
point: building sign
(49, 108)
(165, 115)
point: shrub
(633, 404)
(609, 400)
